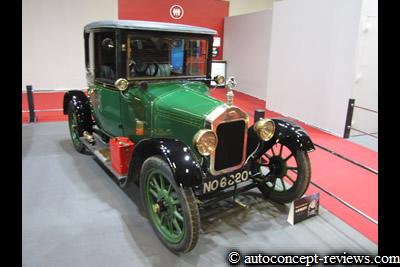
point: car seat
(107, 73)
(164, 70)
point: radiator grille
(229, 151)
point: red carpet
(354, 185)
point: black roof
(148, 26)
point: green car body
(149, 82)
(171, 110)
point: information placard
(303, 208)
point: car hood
(180, 110)
(186, 101)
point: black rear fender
(80, 103)
(77, 97)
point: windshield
(153, 57)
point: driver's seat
(164, 70)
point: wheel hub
(277, 166)
(166, 203)
(156, 208)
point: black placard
(304, 208)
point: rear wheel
(76, 128)
(171, 209)
(285, 172)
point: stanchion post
(349, 118)
(31, 105)
(259, 114)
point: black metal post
(349, 118)
(30, 104)
(259, 114)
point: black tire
(290, 188)
(187, 206)
(76, 126)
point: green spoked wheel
(172, 210)
(74, 129)
(164, 207)
(285, 172)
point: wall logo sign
(176, 12)
(215, 51)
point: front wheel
(285, 172)
(171, 209)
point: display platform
(74, 214)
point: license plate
(225, 181)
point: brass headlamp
(265, 129)
(206, 142)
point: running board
(224, 194)
(102, 152)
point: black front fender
(292, 133)
(181, 159)
(285, 130)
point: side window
(86, 37)
(105, 57)
(89, 56)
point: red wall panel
(203, 13)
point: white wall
(365, 90)
(246, 49)
(52, 40)
(312, 60)
(240, 7)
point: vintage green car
(150, 82)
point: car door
(133, 114)
(134, 103)
(105, 97)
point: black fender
(81, 105)
(181, 159)
(284, 130)
(76, 96)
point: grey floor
(74, 214)
(365, 140)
